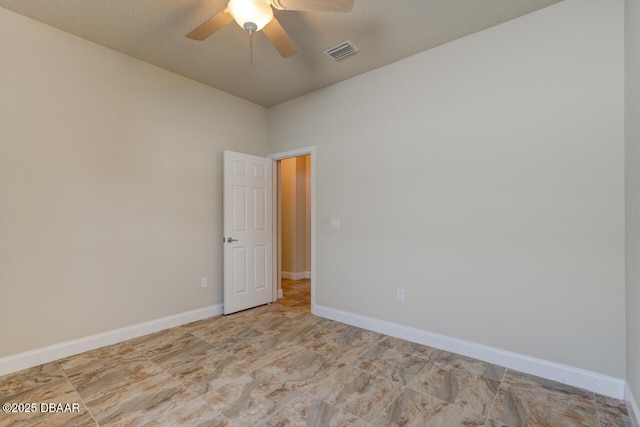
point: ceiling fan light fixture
(252, 15)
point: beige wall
(485, 177)
(632, 157)
(110, 186)
(288, 216)
(296, 231)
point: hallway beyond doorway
(296, 294)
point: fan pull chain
(251, 28)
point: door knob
(231, 239)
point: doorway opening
(294, 229)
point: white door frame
(311, 151)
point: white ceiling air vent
(341, 50)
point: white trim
(276, 216)
(311, 151)
(53, 352)
(632, 405)
(296, 276)
(293, 153)
(592, 381)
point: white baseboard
(632, 405)
(280, 293)
(50, 353)
(296, 276)
(592, 381)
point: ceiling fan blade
(315, 5)
(211, 25)
(279, 38)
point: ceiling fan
(256, 15)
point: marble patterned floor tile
(612, 412)
(412, 408)
(218, 331)
(240, 338)
(390, 363)
(357, 392)
(610, 405)
(157, 339)
(494, 423)
(458, 386)
(323, 330)
(236, 401)
(99, 380)
(262, 314)
(64, 419)
(140, 402)
(295, 335)
(610, 420)
(89, 359)
(274, 324)
(555, 390)
(292, 320)
(213, 322)
(573, 418)
(301, 324)
(211, 372)
(207, 322)
(296, 307)
(29, 378)
(289, 301)
(475, 366)
(59, 391)
(262, 349)
(309, 411)
(186, 349)
(409, 347)
(301, 308)
(301, 369)
(251, 398)
(525, 400)
(194, 413)
(328, 325)
(344, 346)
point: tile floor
(278, 365)
(296, 294)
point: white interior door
(248, 235)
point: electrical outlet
(400, 294)
(203, 282)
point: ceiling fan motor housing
(252, 15)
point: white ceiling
(384, 30)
